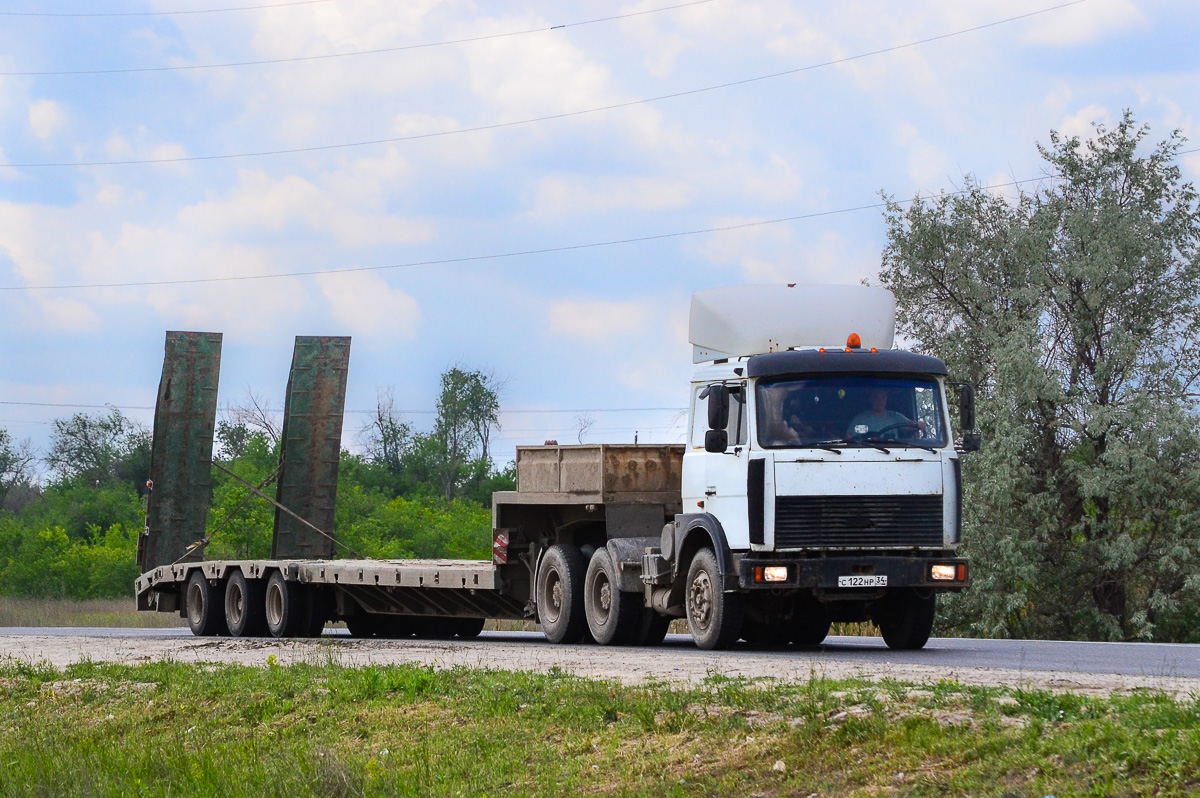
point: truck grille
(861, 522)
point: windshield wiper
(912, 445)
(828, 446)
(875, 444)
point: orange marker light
(853, 341)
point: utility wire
(94, 14)
(531, 411)
(493, 256)
(550, 117)
(526, 252)
(350, 54)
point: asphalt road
(1156, 660)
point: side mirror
(716, 440)
(966, 407)
(718, 409)
(971, 442)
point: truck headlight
(775, 573)
(942, 573)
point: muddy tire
(316, 612)
(245, 606)
(612, 616)
(810, 628)
(908, 622)
(652, 628)
(205, 604)
(284, 604)
(560, 594)
(714, 616)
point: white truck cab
(820, 464)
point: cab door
(723, 486)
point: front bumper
(822, 573)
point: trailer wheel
(560, 594)
(714, 616)
(205, 607)
(285, 606)
(909, 621)
(316, 612)
(362, 624)
(652, 629)
(395, 627)
(245, 606)
(613, 617)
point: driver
(879, 418)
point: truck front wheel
(205, 607)
(907, 623)
(560, 594)
(714, 616)
(613, 617)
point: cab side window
(737, 415)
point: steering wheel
(902, 425)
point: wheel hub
(700, 599)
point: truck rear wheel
(714, 616)
(316, 611)
(205, 605)
(245, 606)
(652, 629)
(560, 594)
(285, 606)
(810, 628)
(612, 616)
(907, 623)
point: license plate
(863, 581)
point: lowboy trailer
(818, 483)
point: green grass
(89, 612)
(169, 729)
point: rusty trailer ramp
(311, 447)
(185, 416)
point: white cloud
(46, 117)
(367, 305)
(928, 166)
(262, 203)
(1081, 123)
(598, 320)
(570, 195)
(1084, 23)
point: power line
(351, 54)
(550, 117)
(528, 411)
(94, 14)
(522, 253)
(476, 258)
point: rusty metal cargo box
(622, 473)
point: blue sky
(600, 328)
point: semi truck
(819, 482)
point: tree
(1075, 310)
(456, 456)
(100, 449)
(385, 439)
(16, 472)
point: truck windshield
(850, 409)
